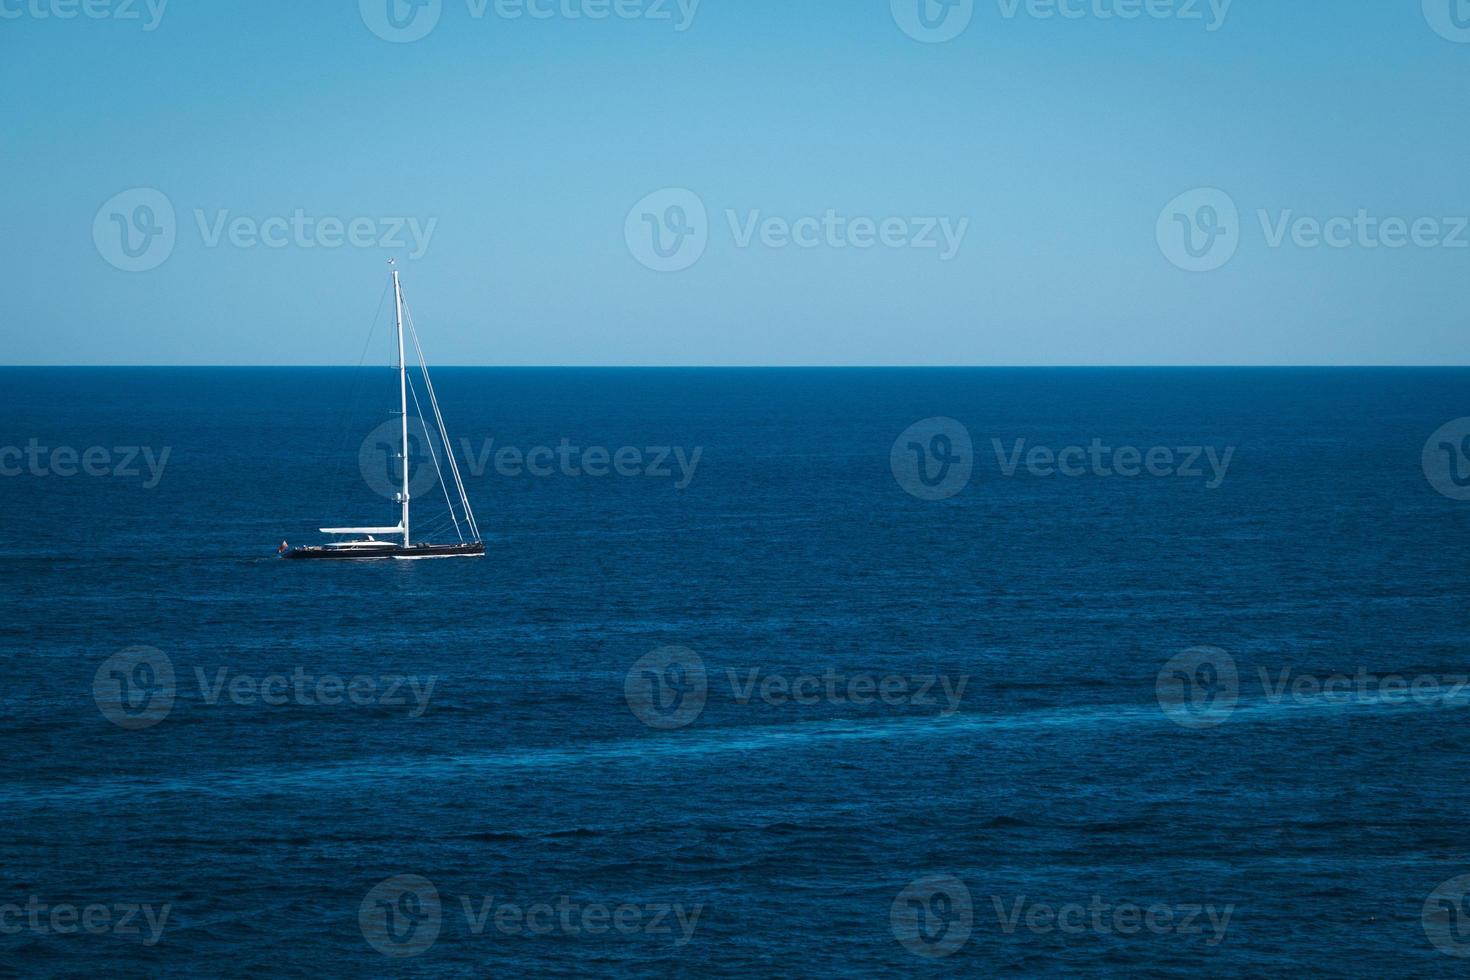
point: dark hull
(387, 552)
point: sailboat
(380, 543)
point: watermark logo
(1446, 917)
(401, 21)
(136, 231)
(135, 688)
(933, 21)
(1201, 688)
(933, 917)
(668, 688)
(404, 915)
(933, 459)
(1446, 459)
(1199, 231)
(380, 458)
(668, 230)
(401, 916)
(1449, 18)
(1198, 688)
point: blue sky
(1066, 156)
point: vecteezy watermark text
(136, 688)
(937, 21)
(381, 464)
(935, 917)
(149, 13)
(935, 458)
(1201, 230)
(861, 690)
(669, 688)
(403, 916)
(837, 231)
(568, 459)
(96, 919)
(301, 230)
(1210, 13)
(1202, 687)
(138, 229)
(406, 21)
(1098, 459)
(669, 231)
(39, 460)
(1104, 917)
(301, 688)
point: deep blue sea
(867, 687)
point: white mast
(402, 399)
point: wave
(678, 746)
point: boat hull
(387, 552)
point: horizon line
(764, 367)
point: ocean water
(1041, 724)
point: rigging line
(435, 457)
(338, 445)
(438, 472)
(357, 371)
(464, 497)
(439, 420)
(434, 527)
